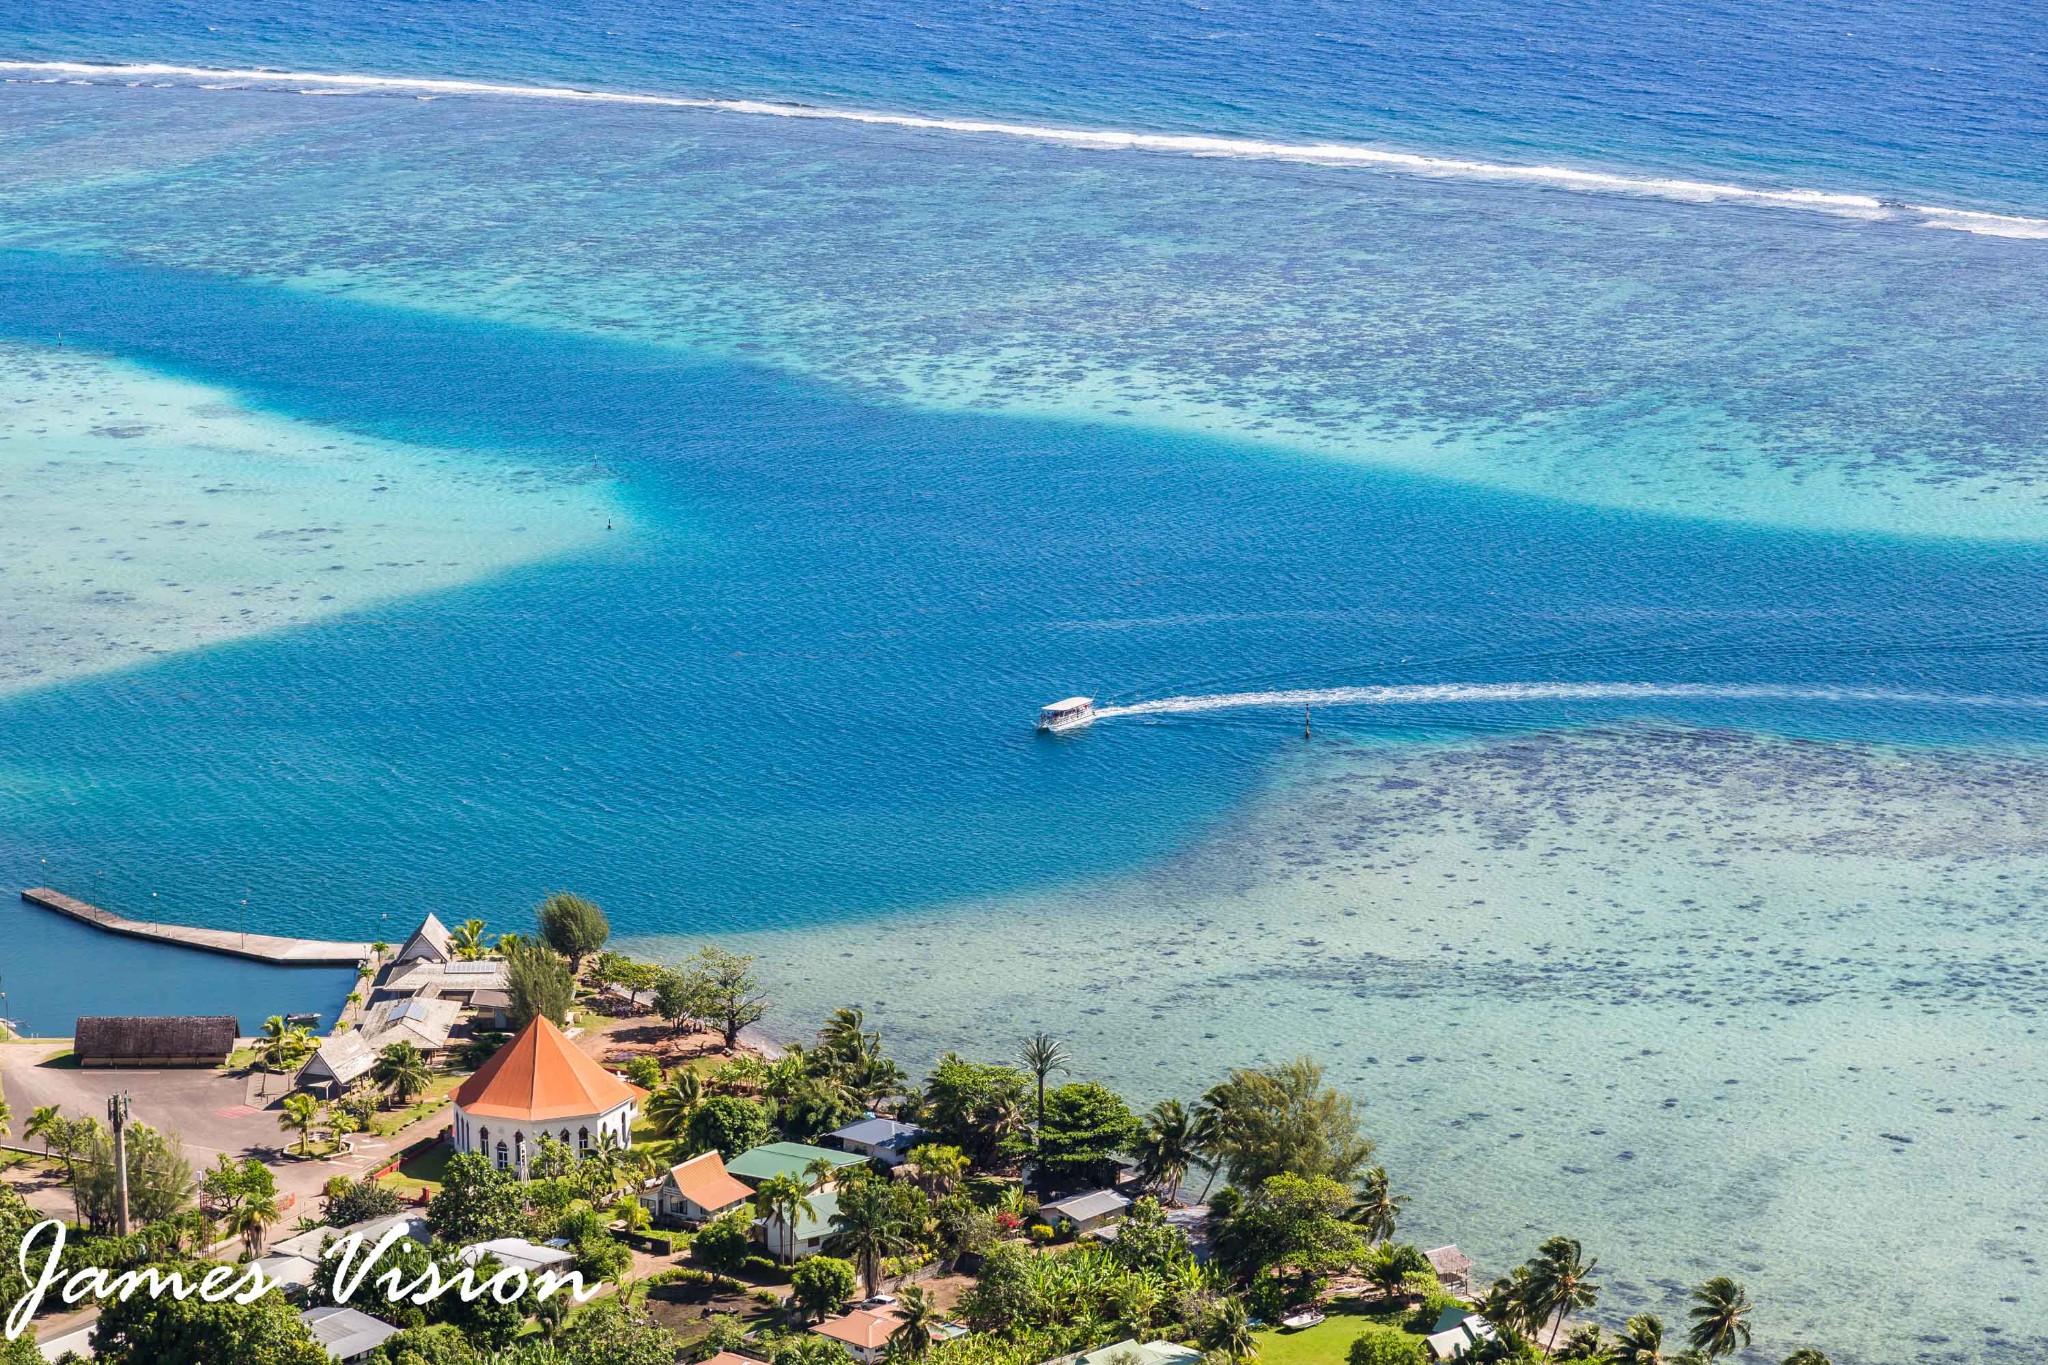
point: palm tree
(251, 1220)
(936, 1168)
(1376, 1208)
(670, 1107)
(282, 1046)
(867, 1230)
(467, 939)
(1641, 1342)
(301, 1112)
(1720, 1313)
(819, 1170)
(45, 1121)
(786, 1197)
(918, 1314)
(640, 1164)
(1166, 1148)
(603, 1160)
(1560, 1282)
(1806, 1355)
(1042, 1055)
(1229, 1331)
(401, 1068)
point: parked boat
(1302, 1321)
(1070, 714)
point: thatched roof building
(155, 1040)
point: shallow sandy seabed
(141, 514)
(1709, 1001)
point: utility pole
(117, 1117)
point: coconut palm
(1806, 1355)
(401, 1069)
(251, 1221)
(936, 1168)
(785, 1197)
(282, 1046)
(467, 939)
(919, 1314)
(1228, 1331)
(670, 1107)
(1375, 1207)
(867, 1230)
(45, 1121)
(301, 1113)
(1561, 1282)
(602, 1162)
(1720, 1317)
(1641, 1342)
(1043, 1054)
(1166, 1148)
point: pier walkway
(287, 952)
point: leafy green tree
(730, 1124)
(1561, 1283)
(679, 998)
(1145, 1241)
(1283, 1120)
(1380, 1344)
(609, 1332)
(168, 1331)
(723, 1244)
(573, 927)
(729, 989)
(1006, 1295)
(20, 1351)
(436, 1344)
(820, 1284)
(1293, 1227)
(539, 982)
(358, 1201)
(1043, 1054)
(645, 1072)
(401, 1068)
(1720, 1317)
(160, 1182)
(477, 1202)
(1082, 1128)
(870, 1226)
(229, 1184)
(975, 1106)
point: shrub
(644, 1072)
(723, 1244)
(358, 1201)
(819, 1284)
(1379, 1344)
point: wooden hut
(155, 1040)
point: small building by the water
(1452, 1266)
(155, 1040)
(340, 1061)
(1086, 1212)
(431, 942)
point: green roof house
(762, 1164)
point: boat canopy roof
(1070, 704)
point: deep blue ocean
(898, 430)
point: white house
(880, 1139)
(518, 1253)
(696, 1191)
(347, 1333)
(541, 1084)
(1085, 1212)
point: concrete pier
(285, 952)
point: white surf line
(1183, 144)
(1426, 694)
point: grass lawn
(1328, 1344)
(422, 1172)
(438, 1090)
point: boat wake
(1100, 139)
(1431, 694)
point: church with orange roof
(541, 1084)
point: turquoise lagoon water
(419, 499)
